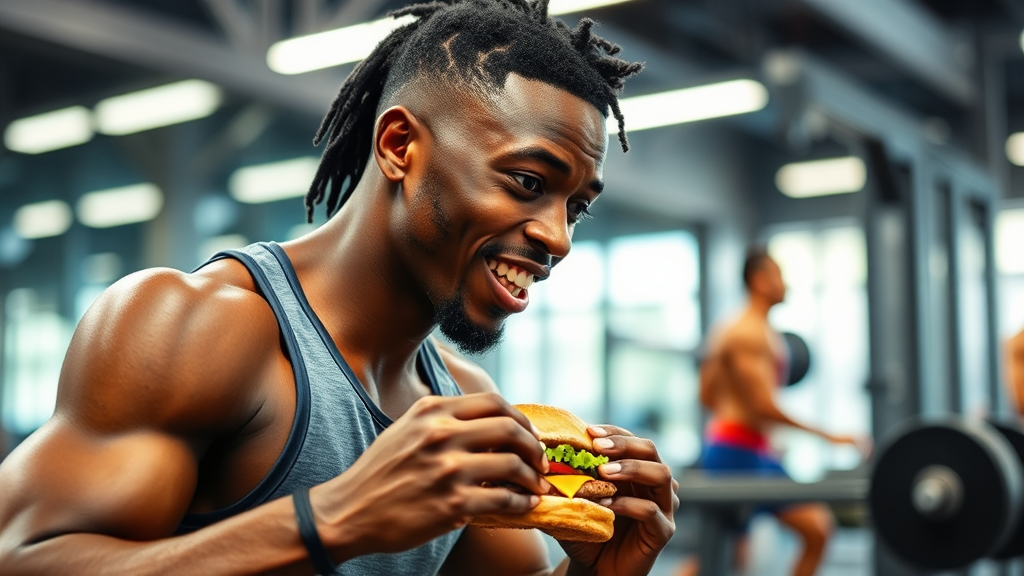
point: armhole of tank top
(437, 371)
(296, 436)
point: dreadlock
(482, 41)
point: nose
(551, 233)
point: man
(745, 363)
(282, 410)
(1015, 370)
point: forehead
(526, 110)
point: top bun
(558, 426)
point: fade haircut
(472, 44)
(755, 260)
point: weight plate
(1015, 545)
(989, 480)
(799, 357)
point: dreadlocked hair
(476, 44)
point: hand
(422, 477)
(644, 507)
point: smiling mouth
(511, 278)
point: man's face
(496, 198)
(774, 286)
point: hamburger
(570, 511)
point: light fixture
(691, 104)
(50, 131)
(353, 43)
(273, 181)
(156, 107)
(822, 177)
(42, 219)
(1015, 148)
(119, 206)
(1022, 40)
(1009, 238)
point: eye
(531, 183)
(579, 211)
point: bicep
(64, 479)
(497, 552)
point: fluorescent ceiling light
(557, 7)
(42, 219)
(822, 177)
(49, 131)
(331, 48)
(118, 206)
(1022, 40)
(1015, 148)
(156, 107)
(353, 43)
(691, 104)
(274, 181)
(1009, 239)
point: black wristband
(307, 530)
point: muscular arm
(1015, 370)
(494, 551)
(146, 385)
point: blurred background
(875, 146)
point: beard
(468, 337)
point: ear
(394, 140)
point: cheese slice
(568, 484)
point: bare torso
(744, 353)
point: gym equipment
(799, 357)
(942, 494)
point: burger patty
(593, 490)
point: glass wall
(611, 336)
(825, 269)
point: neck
(759, 306)
(357, 284)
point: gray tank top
(335, 419)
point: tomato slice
(560, 468)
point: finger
(485, 405)
(654, 521)
(502, 467)
(477, 500)
(655, 476)
(627, 447)
(501, 434)
(602, 430)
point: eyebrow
(545, 157)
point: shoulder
(743, 335)
(1016, 343)
(168, 349)
(470, 377)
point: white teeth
(512, 273)
(521, 279)
(529, 281)
(492, 264)
(516, 291)
(502, 269)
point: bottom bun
(570, 519)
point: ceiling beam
(142, 39)
(910, 36)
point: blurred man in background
(746, 362)
(1015, 370)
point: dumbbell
(947, 492)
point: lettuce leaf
(581, 460)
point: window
(35, 340)
(1010, 266)
(613, 333)
(826, 303)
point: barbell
(942, 493)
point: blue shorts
(724, 459)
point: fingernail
(611, 468)
(598, 431)
(545, 485)
(534, 501)
(604, 443)
(545, 466)
(606, 502)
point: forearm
(771, 413)
(264, 540)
